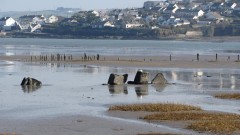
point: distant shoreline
(197, 39)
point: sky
(35, 5)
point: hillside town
(155, 19)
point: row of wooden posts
(85, 57)
(216, 57)
(63, 57)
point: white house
(133, 25)
(53, 19)
(108, 24)
(7, 23)
(171, 8)
(199, 13)
(96, 13)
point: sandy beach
(187, 61)
(80, 124)
(115, 122)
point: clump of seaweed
(228, 96)
(158, 107)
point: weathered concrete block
(159, 79)
(115, 79)
(141, 77)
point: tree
(208, 31)
(86, 17)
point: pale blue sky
(26, 5)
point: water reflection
(118, 89)
(159, 87)
(141, 90)
(30, 88)
(205, 79)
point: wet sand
(79, 124)
(188, 61)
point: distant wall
(2, 34)
(194, 34)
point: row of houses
(27, 23)
(153, 15)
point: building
(25, 22)
(132, 25)
(53, 19)
(171, 8)
(7, 23)
(28, 22)
(192, 34)
(152, 4)
(103, 24)
(35, 27)
(96, 13)
(187, 12)
(214, 16)
(39, 19)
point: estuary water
(76, 89)
(114, 47)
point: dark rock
(159, 79)
(141, 77)
(30, 82)
(115, 79)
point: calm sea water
(77, 89)
(114, 47)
